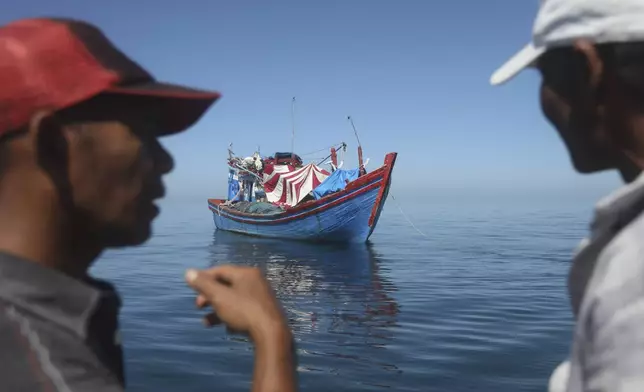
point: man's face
(572, 108)
(115, 167)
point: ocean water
(478, 305)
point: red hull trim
(390, 161)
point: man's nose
(163, 160)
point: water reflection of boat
(329, 288)
(340, 306)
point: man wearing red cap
(590, 54)
(80, 168)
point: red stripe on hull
(390, 160)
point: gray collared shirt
(57, 333)
(606, 287)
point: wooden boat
(303, 202)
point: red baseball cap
(56, 63)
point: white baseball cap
(560, 22)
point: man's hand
(243, 300)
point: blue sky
(413, 75)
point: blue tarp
(233, 186)
(335, 182)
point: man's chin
(128, 237)
(588, 165)
(589, 169)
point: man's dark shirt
(57, 333)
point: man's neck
(38, 232)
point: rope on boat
(406, 217)
(322, 149)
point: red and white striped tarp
(283, 185)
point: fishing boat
(279, 196)
(304, 203)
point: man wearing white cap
(590, 54)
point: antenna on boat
(355, 131)
(293, 126)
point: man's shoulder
(25, 355)
(608, 347)
(19, 370)
(622, 260)
(619, 273)
(38, 355)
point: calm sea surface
(480, 305)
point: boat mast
(293, 127)
(361, 167)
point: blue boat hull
(347, 216)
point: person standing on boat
(80, 168)
(590, 54)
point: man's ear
(51, 149)
(594, 63)
(46, 134)
(36, 121)
(592, 94)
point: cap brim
(520, 61)
(182, 106)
